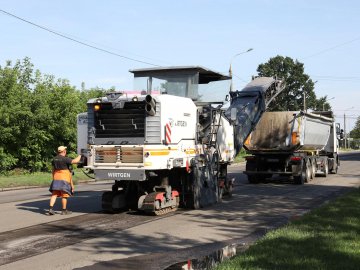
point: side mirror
(339, 132)
(83, 162)
(227, 98)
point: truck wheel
(313, 169)
(326, 168)
(335, 168)
(300, 180)
(308, 171)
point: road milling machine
(168, 143)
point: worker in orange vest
(62, 184)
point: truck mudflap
(113, 201)
(249, 104)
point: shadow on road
(81, 202)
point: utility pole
(345, 137)
(304, 102)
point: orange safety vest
(62, 175)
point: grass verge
(35, 179)
(325, 238)
(241, 156)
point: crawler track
(165, 211)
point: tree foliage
(37, 114)
(297, 83)
(355, 133)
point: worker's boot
(66, 212)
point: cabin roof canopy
(205, 75)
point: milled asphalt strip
(27, 242)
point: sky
(324, 35)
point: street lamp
(230, 69)
(326, 100)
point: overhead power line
(332, 48)
(337, 78)
(75, 40)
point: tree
(37, 114)
(297, 84)
(321, 104)
(355, 133)
(15, 114)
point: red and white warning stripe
(168, 133)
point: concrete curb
(19, 188)
(35, 187)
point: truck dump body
(296, 144)
(289, 132)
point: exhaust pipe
(150, 106)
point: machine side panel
(225, 140)
(178, 119)
(153, 126)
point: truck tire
(335, 168)
(308, 171)
(326, 168)
(313, 168)
(300, 179)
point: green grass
(326, 238)
(241, 156)
(35, 179)
(345, 149)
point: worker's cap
(61, 149)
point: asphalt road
(90, 239)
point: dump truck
(297, 144)
(168, 142)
